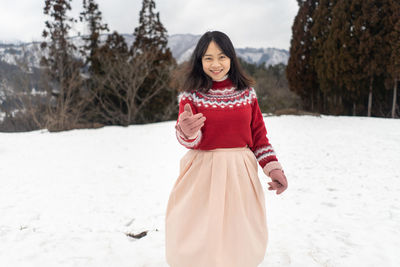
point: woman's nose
(215, 63)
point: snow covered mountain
(181, 45)
(267, 56)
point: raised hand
(190, 124)
(279, 181)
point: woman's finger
(280, 190)
(274, 185)
(184, 115)
(196, 129)
(196, 123)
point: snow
(12, 53)
(277, 56)
(251, 56)
(182, 46)
(268, 56)
(70, 198)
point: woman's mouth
(216, 71)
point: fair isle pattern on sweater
(219, 98)
(222, 92)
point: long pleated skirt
(216, 211)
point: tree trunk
(394, 98)
(370, 97)
(312, 99)
(354, 108)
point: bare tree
(118, 100)
(66, 105)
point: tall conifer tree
(320, 31)
(151, 39)
(93, 18)
(369, 29)
(59, 47)
(343, 54)
(151, 34)
(393, 38)
(300, 70)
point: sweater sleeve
(261, 148)
(188, 142)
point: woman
(216, 211)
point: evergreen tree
(320, 31)
(92, 16)
(151, 41)
(372, 53)
(61, 68)
(59, 48)
(92, 53)
(393, 38)
(115, 48)
(300, 71)
(151, 34)
(342, 50)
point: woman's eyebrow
(208, 55)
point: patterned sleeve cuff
(265, 154)
(272, 165)
(189, 143)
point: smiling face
(215, 63)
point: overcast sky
(253, 23)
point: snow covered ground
(68, 199)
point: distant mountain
(181, 45)
(267, 56)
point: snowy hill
(182, 46)
(266, 56)
(69, 198)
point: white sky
(253, 23)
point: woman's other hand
(279, 181)
(190, 124)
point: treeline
(101, 82)
(345, 56)
(272, 88)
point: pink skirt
(216, 211)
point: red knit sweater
(233, 119)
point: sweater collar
(225, 83)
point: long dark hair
(196, 79)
